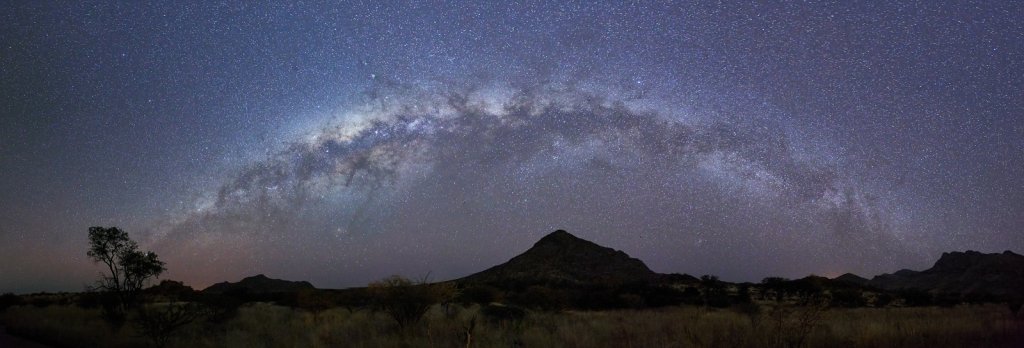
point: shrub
(404, 300)
(159, 322)
(651, 295)
(848, 298)
(41, 302)
(546, 298)
(692, 296)
(481, 294)
(500, 314)
(9, 300)
(916, 298)
(752, 311)
(220, 308)
(353, 299)
(1014, 307)
(89, 300)
(314, 301)
(946, 299)
(743, 294)
(883, 299)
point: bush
(9, 300)
(692, 296)
(353, 299)
(916, 298)
(883, 299)
(314, 301)
(159, 322)
(541, 297)
(718, 300)
(41, 302)
(715, 294)
(502, 315)
(596, 298)
(752, 311)
(849, 298)
(651, 295)
(89, 300)
(407, 301)
(742, 294)
(946, 300)
(220, 308)
(481, 294)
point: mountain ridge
(258, 284)
(968, 273)
(562, 258)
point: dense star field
(341, 143)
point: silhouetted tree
(883, 299)
(752, 311)
(743, 293)
(497, 314)
(481, 294)
(946, 299)
(809, 288)
(546, 298)
(1014, 307)
(447, 293)
(916, 298)
(715, 293)
(774, 288)
(791, 325)
(220, 308)
(160, 321)
(128, 268)
(315, 301)
(353, 299)
(848, 298)
(9, 300)
(406, 301)
(691, 295)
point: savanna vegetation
(399, 312)
(262, 324)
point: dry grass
(68, 326)
(266, 325)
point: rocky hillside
(851, 278)
(969, 273)
(258, 284)
(562, 258)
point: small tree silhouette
(9, 300)
(715, 293)
(129, 268)
(315, 301)
(159, 322)
(406, 301)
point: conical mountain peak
(561, 257)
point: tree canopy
(128, 268)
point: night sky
(342, 143)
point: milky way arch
(458, 181)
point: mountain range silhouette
(562, 259)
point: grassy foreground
(268, 325)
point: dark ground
(8, 341)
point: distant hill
(562, 271)
(170, 288)
(562, 258)
(258, 284)
(851, 278)
(970, 273)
